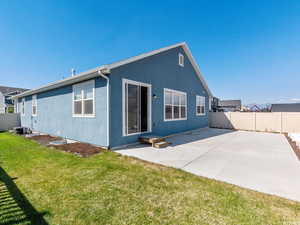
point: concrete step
(161, 144)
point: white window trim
(200, 114)
(23, 107)
(34, 99)
(126, 81)
(164, 108)
(180, 55)
(73, 101)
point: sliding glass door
(136, 107)
(133, 108)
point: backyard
(40, 185)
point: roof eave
(197, 69)
(71, 80)
(181, 44)
(144, 55)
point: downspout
(108, 104)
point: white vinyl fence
(9, 120)
(256, 121)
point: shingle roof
(287, 107)
(6, 90)
(230, 103)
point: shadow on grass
(14, 207)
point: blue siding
(54, 108)
(161, 71)
(54, 115)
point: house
(6, 104)
(161, 92)
(287, 107)
(230, 105)
(214, 104)
(256, 108)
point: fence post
(280, 122)
(254, 121)
(230, 124)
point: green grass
(39, 185)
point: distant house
(214, 104)
(159, 93)
(230, 105)
(287, 107)
(6, 104)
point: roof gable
(144, 55)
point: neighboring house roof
(93, 73)
(230, 103)
(254, 108)
(10, 90)
(288, 107)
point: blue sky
(247, 50)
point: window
(23, 106)
(175, 105)
(200, 105)
(84, 99)
(34, 105)
(181, 60)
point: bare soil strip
(78, 148)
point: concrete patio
(260, 161)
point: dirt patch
(44, 139)
(78, 148)
(81, 149)
(293, 145)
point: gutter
(68, 81)
(103, 74)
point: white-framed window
(84, 99)
(200, 105)
(175, 105)
(136, 107)
(181, 60)
(23, 107)
(34, 105)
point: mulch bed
(44, 139)
(77, 148)
(293, 145)
(81, 149)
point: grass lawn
(39, 185)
